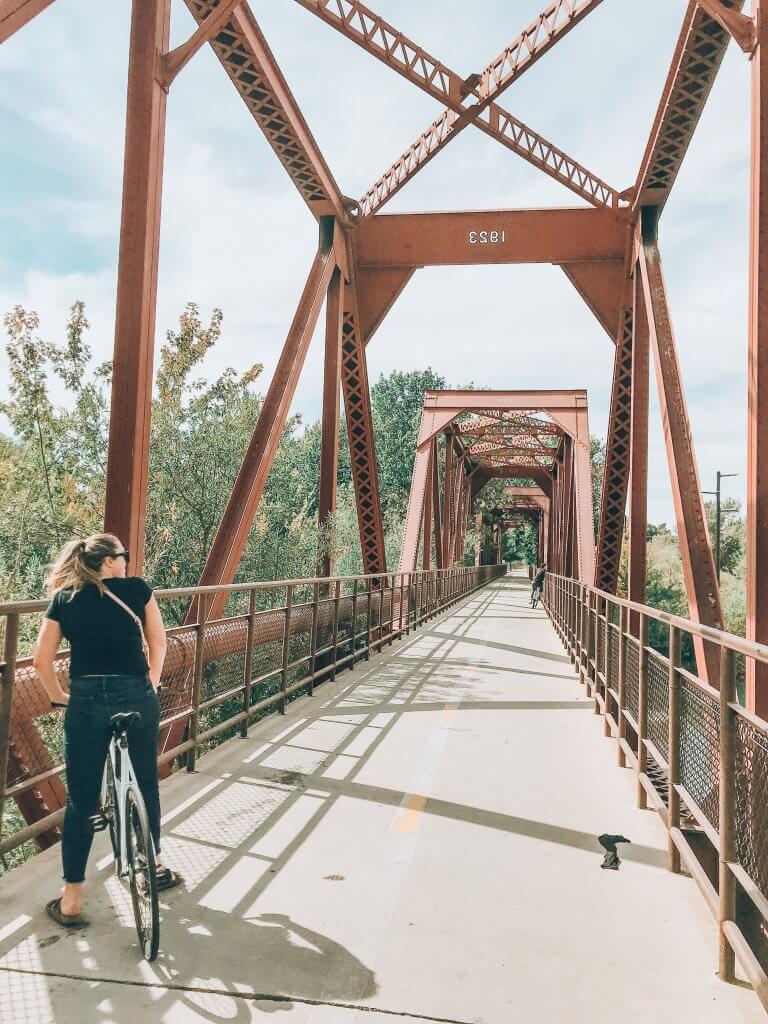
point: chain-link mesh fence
(700, 748)
(259, 648)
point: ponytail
(79, 563)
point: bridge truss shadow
(229, 943)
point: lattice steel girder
(541, 476)
(492, 426)
(14, 14)
(534, 496)
(567, 408)
(693, 535)
(512, 133)
(176, 60)
(426, 516)
(757, 420)
(436, 511)
(742, 28)
(415, 517)
(484, 450)
(696, 61)
(329, 441)
(250, 64)
(383, 41)
(501, 236)
(362, 446)
(552, 24)
(379, 38)
(131, 403)
(617, 457)
(638, 472)
(232, 535)
(448, 510)
(601, 285)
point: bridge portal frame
(562, 471)
(603, 276)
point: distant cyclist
(537, 585)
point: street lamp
(720, 476)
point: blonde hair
(79, 563)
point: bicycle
(123, 811)
(535, 596)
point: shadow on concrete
(237, 834)
(494, 645)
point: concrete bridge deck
(416, 842)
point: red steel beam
(638, 462)
(410, 240)
(14, 14)
(436, 512)
(246, 57)
(232, 535)
(693, 535)
(700, 50)
(378, 288)
(617, 461)
(329, 440)
(558, 18)
(742, 28)
(426, 518)
(447, 499)
(131, 405)
(368, 30)
(417, 513)
(602, 286)
(383, 41)
(176, 60)
(362, 445)
(512, 133)
(757, 421)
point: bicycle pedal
(98, 822)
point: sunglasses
(122, 554)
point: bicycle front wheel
(142, 875)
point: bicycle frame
(124, 776)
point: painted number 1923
(487, 237)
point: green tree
(396, 404)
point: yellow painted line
(449, 711)
(407, 818)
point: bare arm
(48, 641)
(154, 630)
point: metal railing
(275, 642)
(700, 756)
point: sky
(236, 234)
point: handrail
(720, 636)
(221, 674)
(699, 755)
(32, 606)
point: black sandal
(53, 910)
(168, 879)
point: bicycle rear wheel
(110, 810)
(142, 875)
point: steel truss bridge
(700, 756)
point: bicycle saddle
(123, 721)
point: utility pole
(720, 476)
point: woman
(106, 616)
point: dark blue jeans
(87, 734)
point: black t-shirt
(103, 638)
